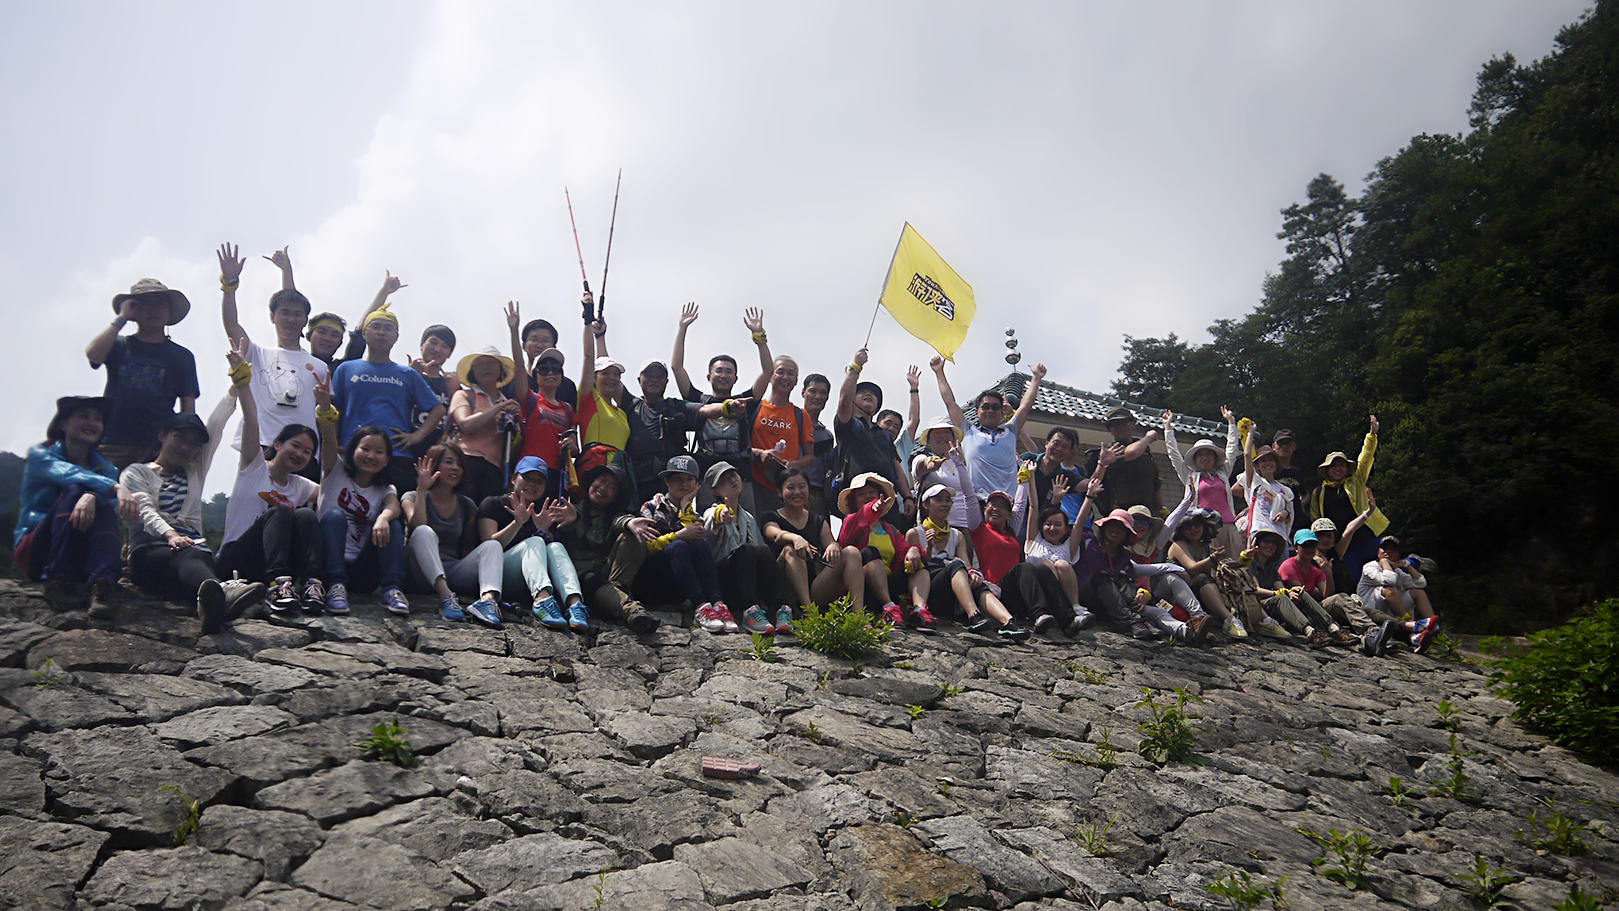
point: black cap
(186, 420)
(873, 388)
(68, 404)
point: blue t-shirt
(379, 395)
(992, 458)
(144, 379)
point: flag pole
(886, 276)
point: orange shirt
(778, 423)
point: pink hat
(1125, 521)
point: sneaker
(1388, 635)
(393, 601)
(1234, 629)
(980, 623)
(1371, 644)
(283, 596)
(241, 595)
(549, 613)
(1268, 627)
(211, 606)
(922, 619)
(337, 599)
(757, 621)
(892, 614)
(579, 618)
(1422, 637)
(1141, 629)
(1043, 622)
(1198, 629)
(1081, 619)
(784, 620)
(641, 621)
(101, 606)
(450, 609)
(711, 618)
(1317, 639)
(485, 611)
(1342, 637)
(1013, 630)
(313, 599)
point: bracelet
(326, 414)
(240, 374)
(916, 392)
(855, 367)
(1143, 593)
(760, 338)
(229, 286)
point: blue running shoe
(337, 599)
(450, 609)
(578, 618)
(485, 611)
(393, 601)
(549, 612)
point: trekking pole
(582, 276)
(601, 299)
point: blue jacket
(45, 475)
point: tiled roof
(1062, 404)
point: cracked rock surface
(564, 772)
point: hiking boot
(1043, 622)
(449, 608)
(641, 621)
(549, 613)
(1234, 629)
(1081, 619)
(1013, 630)
(1317, 639)
(1423, 634)
(283, 596)
(1342, 637)
(755, 620)
(67, 594)
(484, 611)
(102, 606)
(1144, 631)
(980, 623)
(1269, 628)
(784, 619)
(892, 614)
(922, 619)
(313, 599)
(1198, 629)
(579, 618)
(241, 595)
(211, 606)
(337, 599)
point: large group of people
(498, 481)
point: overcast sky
(1094, 170)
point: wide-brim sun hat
(463, 368)
(1122, 517)
(179, 306)
(66, 405)
(1332, 457)
(1209, 446)
(846, 495)
(939, 423)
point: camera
(506, 422)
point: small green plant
(1350, 851)
(193, 818)
(764, 649)
(1396, 791)
(1563, 683)
(714, 718)
(1092, 836)
(913, 710)
(1326, 753)
(826, 677)
(841, 631)
(905, 665)
(387, 742)
(1243, 892)
(1457, 784)
(944, 787)
(1554, 832)
(1486, 883)
(937, 902)
(1088, 674)
(904, 820)
(1447, 716)
(1105, 755)
(812, 732)
(1171, 734)
(1578, 900)
(857, 670)
(48, 675)
(951, 689)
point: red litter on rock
(720, 767)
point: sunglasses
(547, 369)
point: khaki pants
(607, 587)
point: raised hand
(1039, 371)
(427, 475)
(1374, 425)
(937, 363)
(522, 511)
(391, 282)
(279, 259)
(1169, 417)
(884, 504)
(1059, 487)
(1226, 413)
(514, 315)
(1094, 488)
(688, 314)
(1107, 455)
(230, 264)
(754, 319)
(861, 356)
(913, 376)
(1371, 501)
(323, 386)
(598, 326)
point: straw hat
(939, 423)
(1206, 446)
(846, 495)
(463, 369)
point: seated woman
(67, 524)
(486, 418)
(363, 540)
(679, 558)
(168, 556)
(445, 553)
(952, 579)
(523, 523)
(747, 569)
(1028, 590)
(817, 567)
(1194, 550)
(1292, 606)
(607, 545)
(944, 464)
(271, 531)
(1154, 584)
(891, 566)
(1052, 546)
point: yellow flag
(926, 296)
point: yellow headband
(326, 321)
(379, 313)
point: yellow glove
(1024, 474)
(241, 374)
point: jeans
(57, 550)
(169, 573)
(282, 542)
(534, 565)
(686, 566)
(373, 566)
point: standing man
(816, 392)
(146, 372)
(659, 426)
(1292, 477)
(725, 438)
(991, 441)
(863, 446)
(284, 377)
(378, 392)
(1132, 479)
(780, 435)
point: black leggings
(750, 575)
(169, 573)
(282, 542)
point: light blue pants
(534, 565)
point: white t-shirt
(254, 492)
(360, 504)
(1269, 501)
(1042, 551)
(283, 387)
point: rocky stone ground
(561, 773)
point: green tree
(1149, 369)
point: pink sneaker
(710, 619)
(725, 617)
(922, 619)
(891, 614)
